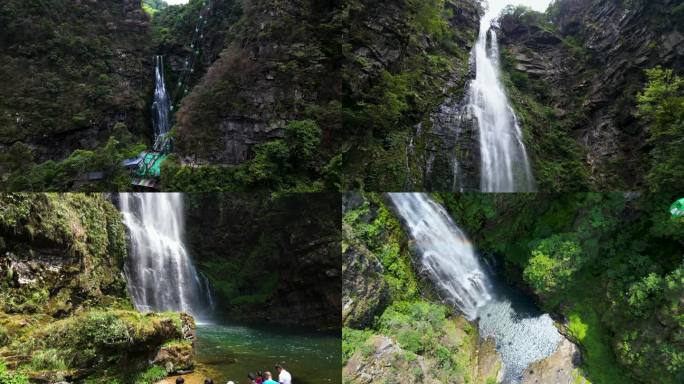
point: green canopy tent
(677, 208)
(150, 166)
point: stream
(311, 357)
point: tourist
(180, 380)
(260, 378)
(269, 378)
(284, 376)
(252, 378)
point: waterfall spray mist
(159, 271)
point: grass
(598, 359)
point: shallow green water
(231, 351)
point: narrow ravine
(522, 333)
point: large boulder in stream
(562, 367)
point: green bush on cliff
(661, 106)
(71, 173)
(552, 264)
(282, 165)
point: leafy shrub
(7, 377)
(553, 263)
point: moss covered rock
(60, 252)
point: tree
(554, 260)
(661, 106)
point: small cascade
(159, 271)
(522, 333)
(161, 106)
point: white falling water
(522, 334)
(161, 105)
(159, 271)
(445, 252)
(504, 163)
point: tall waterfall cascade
(161, 106)
(522, 333)
(504, 164)
(159, 271)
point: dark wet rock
(365, 294)
(592, 61)
(282, 264)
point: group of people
(284, 377)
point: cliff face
(65, 313)
(278, 66)
(60, 253)
(278, 254)
(71, 71)
(574, 75)
(401, 61)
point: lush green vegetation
(7, 377)
(84, 170)
(610, 264)
(65, 312)
(151, 7)
(290, 164)
(661, 106)
(412, 317)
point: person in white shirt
(284, 376)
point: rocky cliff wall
(273, 260)
(575, 72)
(71, 71)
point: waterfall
(445, 252)
(159, 271)
(522, 333)
(504, 163)
(161, 105)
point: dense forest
(608, 267)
